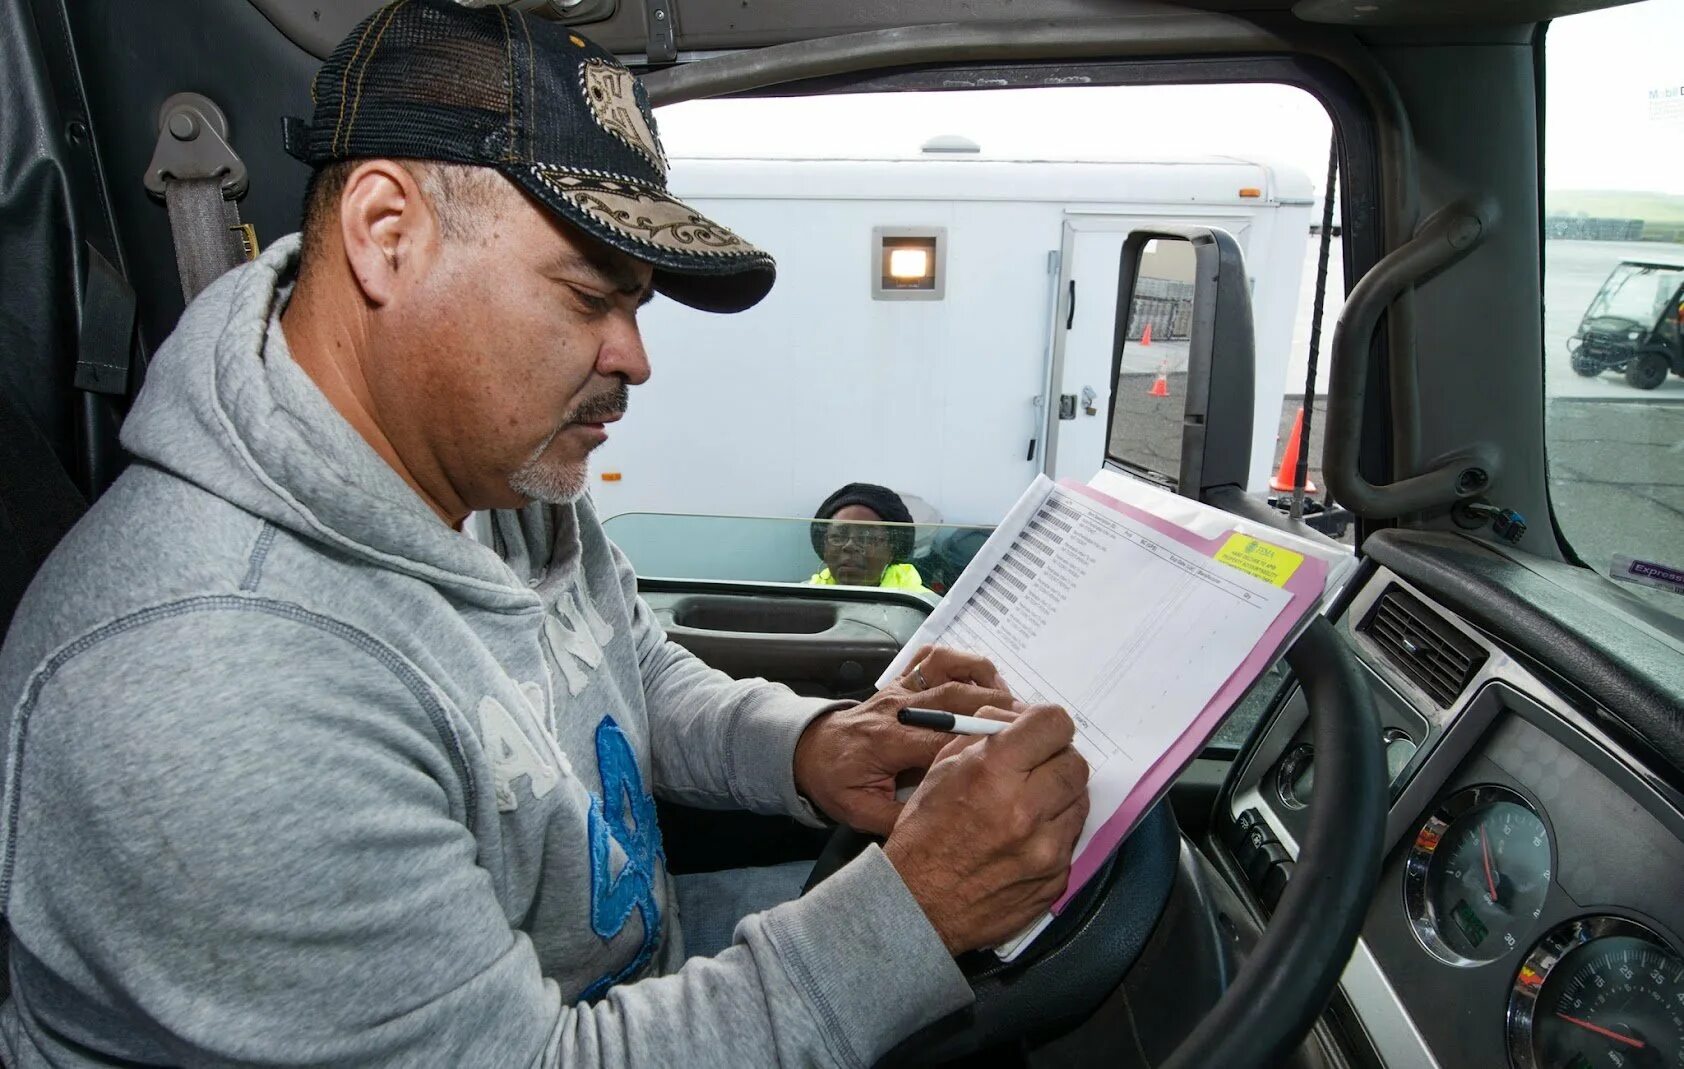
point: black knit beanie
(879, 499)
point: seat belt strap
(207, 232)
(106, 345)
(199, 176)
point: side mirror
(1183, 361)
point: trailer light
(1251, 191)
(908, 263)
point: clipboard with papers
(1147, 616)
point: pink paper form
(1305, 586)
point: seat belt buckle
(248, 240)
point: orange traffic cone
(1146, 336)
(1285, 478)
(1160, 385)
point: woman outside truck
(867, 540)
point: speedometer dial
(1598, 992)
(1477, 876)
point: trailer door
(1083, 346)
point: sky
(1602, 129)
(1602, 69)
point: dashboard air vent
(1429, 652)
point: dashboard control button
(1273, 884)
(1259, 836)
(1262, 860)
(1235, 832)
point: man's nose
(622, 351)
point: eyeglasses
(864, 535)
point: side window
(1613, 227)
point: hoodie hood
(226, 408)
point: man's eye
(595, 302)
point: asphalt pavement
(1616, 453)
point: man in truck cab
(298, 773)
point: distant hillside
(1616, 203)
(1666, 209)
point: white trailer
(951, 395)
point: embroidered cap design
(610, 92)
(643, 214)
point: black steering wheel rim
(1284, 983)
(1291, 972)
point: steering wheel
(1282, 987)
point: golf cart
(1635, 324)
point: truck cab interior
(1449, 829)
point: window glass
(1000, 367)
(921, 558)
(1614, 288)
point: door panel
(819, 646)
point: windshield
(1637, 293)
(942, 328)
(1613, 178)
(942, 324)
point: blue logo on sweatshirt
(625, 814)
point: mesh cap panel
(557, 115)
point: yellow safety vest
(895, 577)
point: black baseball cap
(539, 103)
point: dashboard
(1530, 909)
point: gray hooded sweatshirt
(297, 775)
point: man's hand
(846, 762)
(984, 844)
(932, 666)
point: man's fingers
(955, 744)
(1056, 783)
(964, 698)
(872, 813)
(899, 747)
(1037, 734)
(1067, 825)
(935, 665)
(915, 747)
(1052, 889)
(908, 679)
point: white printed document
(1145, 632)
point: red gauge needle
(1485, 854)
(1601, 1031)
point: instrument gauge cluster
(1598, 991)
(1477, 876)
(1591, 991)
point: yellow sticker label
(1272, 564)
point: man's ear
(388, 230)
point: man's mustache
(602, 407)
